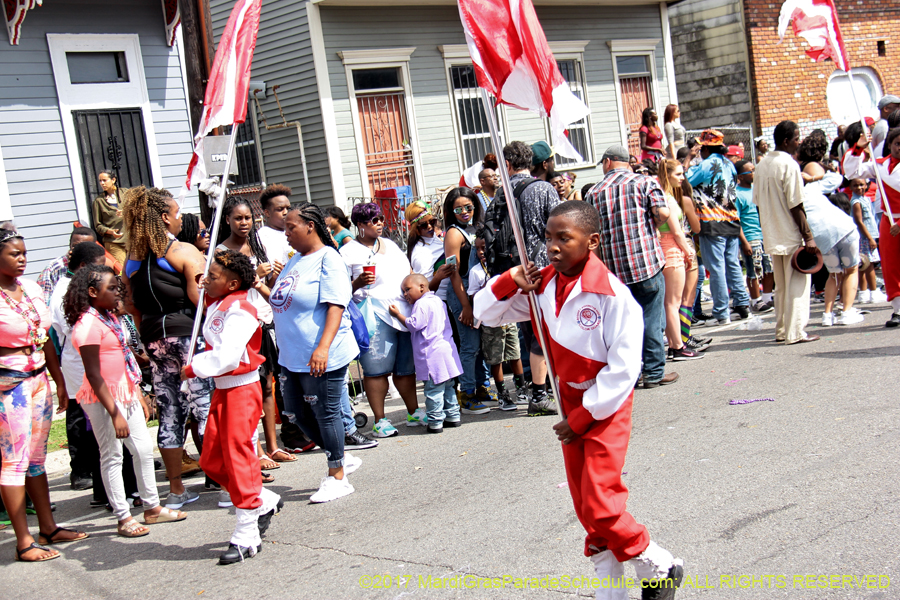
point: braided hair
(190, 229)
(256, 246)
(313, 214)
(143, 211)
(238, 265)
(7, 235)
(77, 299)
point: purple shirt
(434, 352)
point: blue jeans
(650, 294)
(721, 255)
(475, 371)
(440, 402)
(314, 404)
(347, 411)
(698, 297)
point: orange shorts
(674, 254)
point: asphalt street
(796, 497)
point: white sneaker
(332, 489)
(384, 429)
(417, 418)
(351, 463)
(878, 297)
(225, 500)
(865, 297)
(827, 319)
(850, 317)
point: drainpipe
(284, 125)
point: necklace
(485, 197)
(37, 335)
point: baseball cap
(735, 151)
(616, 152)
(889, 99)
(541, 151)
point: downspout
(284, 125)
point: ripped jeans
(314, 404)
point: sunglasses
(464, 209)
(203, 233)
(376, 220)
(425, 225)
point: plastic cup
(369, 269)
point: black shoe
(431, 429)
(894, 321)
(157, 464)
(98, 503)
(696, 346)
(764, 307)
(452, 424)
(702, 341)
(237, 554)
(742, 312)
(663, 589)
(263, 521)
(358, 441)
(701, 319)
(684, 353)
(209, 484)
(81, 483)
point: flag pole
(870, 150)
(513, 204)
(213, 236)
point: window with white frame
(579, 132)
(472, 125)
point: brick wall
(787, 84)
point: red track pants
(594, 470)
(889, 249)
(229, 455)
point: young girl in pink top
(110, 395)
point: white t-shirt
(276, 244)
(70, 362)
(477, 279)
(391, 267)
(425, 256)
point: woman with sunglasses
(377, 268)
(194, 231)
(425, 247)
(462, 214)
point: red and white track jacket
(595, 341)
(855, 168)
(233, 336)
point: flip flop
(265, 467)
(166, 515)
(284, 454)
(35, 546)
(267, 478)
(49, 537)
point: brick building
(728, 55)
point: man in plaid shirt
(631, 206)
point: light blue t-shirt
(867, 216)
(298, 301)
(748, 213)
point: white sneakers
(872, 297)
(850, 317)
(331, 488)
(827, 319)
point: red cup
(369, 269)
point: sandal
(35, 546)
(267, 477)
(49, 537)
(271, 465)
(281, 456)
(132, 529)
(166, 515)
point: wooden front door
(635, 98)
(385, 133)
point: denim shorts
(759, 263)
(390, 351)
(844, 255)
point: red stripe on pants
(594, 470)
(229, 456)
(889, 249)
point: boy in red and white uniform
(855, 166)
(233, 335)
(594, 329)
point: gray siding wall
(426, 28)
(283, 57)
(710, 51)
(31, 132)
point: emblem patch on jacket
(588, 318)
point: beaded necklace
(36, 334)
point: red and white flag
(816, 21)
(514, 63)
(225, 102)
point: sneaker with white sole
(178, 500)
(225, 500)
(879, 297)
(358, 441)
(725, 321)
(865, 297)
(351, 463)
(384, 429)
(827, 319)
(850, 317)
(332, 489)
(522, 395)
(417, 418)
(471, 406)
(505, 402)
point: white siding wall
(428, 28)
(31, 134)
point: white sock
(896, 304)
(766, 297)
(246, 532)
(611, 574)
(653, 563)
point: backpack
(500, 250)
